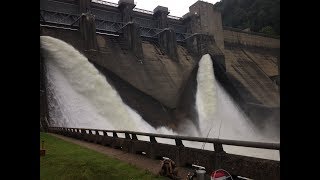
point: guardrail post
(178, 142)
(95, 137)
(218, 147)
(83, 134)
(86, 135)
(180, 146)
(219, 154)
(152, 141)
(127, 135)
(104, 138)
(127, 145)
(115, 134)
(64, 132)
(76, 133)
(134, 136)
(91, 135)
(71, 132)
(116, 141)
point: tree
(254, 14)
(267, 30)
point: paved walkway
(139, 161)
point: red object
(219, 175)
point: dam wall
(151, 57)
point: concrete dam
(151, 59)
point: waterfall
(220, 117)
(79, 96)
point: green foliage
(253, 14)
(267, 30)
(64, 160)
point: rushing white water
(79, 96)
(220, 117)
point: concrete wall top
(160, 8)
(250, 39)
(126, 1)
(105, 7)
(210, 21)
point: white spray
(220, 117)
(79, 96)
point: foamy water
(220, 117)
(79, 96)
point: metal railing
(174, 17)
(105, 3)
(58, 18)
(132, 142)
(142, 10)
(134, 9)
(261, 145)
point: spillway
(79, 96)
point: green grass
(64, 160)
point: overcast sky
(176, 7)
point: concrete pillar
(201, 44)
(207, 21)
(278, 63)
(87, 25)
(192, 21)
(131, 31)
(126, 9)
(88, 31)
(84, 6)
(160, 13)
(167, 37)
(44, 113)
(131, 34)
(168, 43)
(197, 43)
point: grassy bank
(66, 160)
